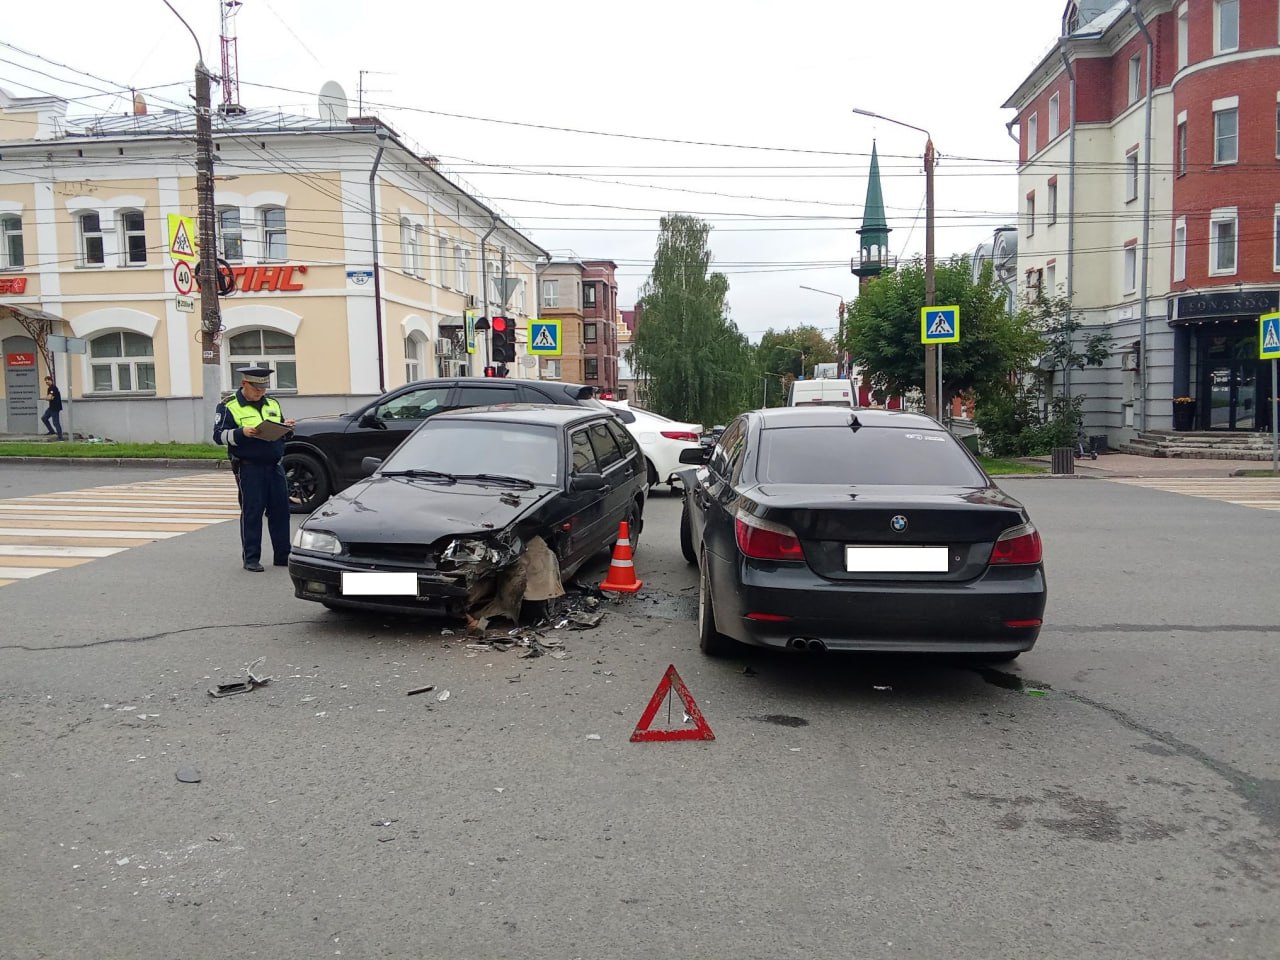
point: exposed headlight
(317, 541)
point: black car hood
(308, 426)
(401, 510)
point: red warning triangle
(671, 680)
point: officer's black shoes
(281, 563)
(253, 567)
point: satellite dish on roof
(333, 103)
(139, 105)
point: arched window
(122, 362)
(263, 348)
(414, 349)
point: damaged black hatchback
(476, 512)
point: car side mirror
(695, 455)
(369, 466)
(372, 420)
(581, 482)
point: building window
(1180, 249)
(412, 358)
(1223, 241)
(551, 369)
(122, 363)
(1278, 126)
(1182, 147)
(1051, 280)
(275, 238)
(1035, 284)
(1055, 115)
(264, 348)
(1135, 78)
(591, 368)
(1226, 26)
(11, 255)
(1226, 135)
(1031, 213)
(406, 246)
(1053, 201)
(1131, 266)
(588, 333)
(588, 295)
(1183, 33)
(551, 293)
(420, 252)
(230, 235)
(92, 253)
(442, 261)
(464, 260)
(133, 227)
(1131, 175)
(459, 269)
(1033, 122)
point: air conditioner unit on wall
(1129, 361)
(471, 301)
(444, 347)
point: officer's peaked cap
(258, 375)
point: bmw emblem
(898, 523)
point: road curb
(121, 462)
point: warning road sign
(544, 338)
(700, 729)
(182, 237)
(1269, 336)
(184, 280)
(939, 324)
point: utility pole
(210, 311)
(932, 385)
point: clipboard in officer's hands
(270, 430)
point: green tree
(882, 330)
(691, 360)
(783, 356)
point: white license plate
(896, 559)
(379, 584)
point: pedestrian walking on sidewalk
(256, 462)
(54, 413)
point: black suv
(325, 453)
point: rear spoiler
(585, 393)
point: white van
(822, 393)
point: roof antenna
(854, 423)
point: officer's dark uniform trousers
(259, 476)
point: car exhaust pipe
(804, 643)
(817, 646)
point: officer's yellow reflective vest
(247, 416)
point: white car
(660, 440)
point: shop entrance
(1234, 382)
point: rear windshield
(870, 455)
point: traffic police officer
(256, 463)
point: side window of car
(727, 442)
(607, 452)
(736, 453)
(623, 436)
(527, 394)
(414, 405)
(584, 457)
(483, 396)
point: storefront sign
(20, 360)
(1228, 304)
(280, 279)
(14, 285)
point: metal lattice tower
(230, 59)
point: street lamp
(932, 389)
(840, 325)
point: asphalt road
(849, 807)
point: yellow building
(84, 209)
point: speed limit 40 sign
(184, 279)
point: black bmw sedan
(474, 503)
(834, 529)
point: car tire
(653, 472)
(307, 480)
(635, 526)
(711, 641)
(686, 535)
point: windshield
(464, 446)
(870, 455)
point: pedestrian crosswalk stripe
(1256, 493)
(62, 529)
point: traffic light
(503, 332)
(490, 372)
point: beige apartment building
(84, 212)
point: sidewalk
(1127, 465)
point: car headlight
(317, 541)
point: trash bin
(1064, 460)
(1098, 442)
(971, 442)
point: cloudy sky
(737, 112)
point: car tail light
(762, 540)
(681, 435)
(1018, 545)
(768, 617)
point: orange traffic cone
(622, 572)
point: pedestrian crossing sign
(1269, 336)
(544, 338)
(939, 324)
